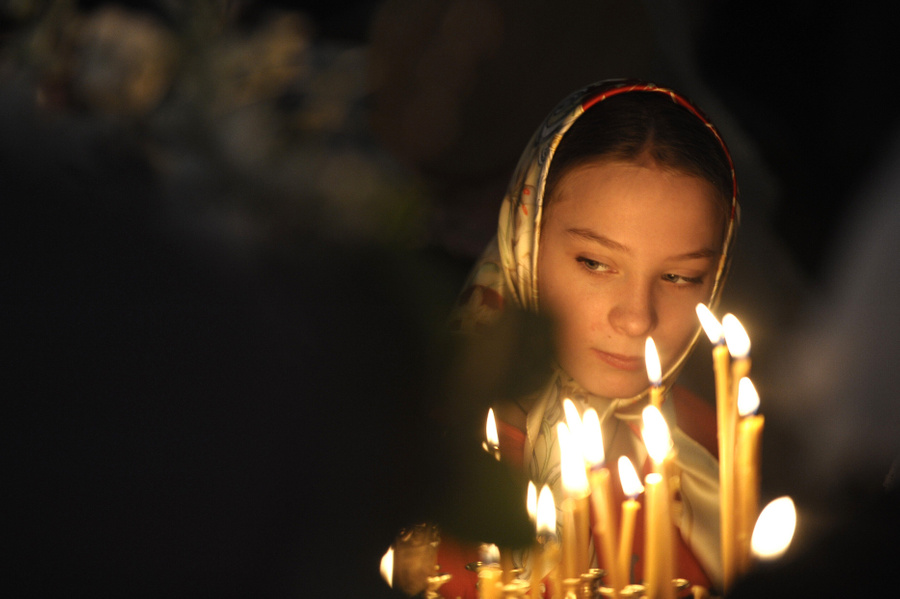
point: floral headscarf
(507, 270)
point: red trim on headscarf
(626, 87)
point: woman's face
(627, 251)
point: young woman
(619, 219)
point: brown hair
(629, 126)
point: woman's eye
(592, 265)
(682, 280)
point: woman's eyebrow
(615, 245)
(704, 253)
(598, 238)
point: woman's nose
(634, 314)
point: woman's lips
(621, 362)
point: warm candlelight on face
(492, 439)
(387, 566)
(654, 371)
(774, 529)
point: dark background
(197, 280)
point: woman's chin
(613, 389)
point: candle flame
(592, 436)
(651, 358)
(387, 566)
(631, 483)
(735, 337)
(574, 478)
(546, 512)
(488, 553)
(573, 421)
(656, 434)
(490, 429)
(531, 501)
(748, 398)
(774, 529)
(710, 324)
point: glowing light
(656, 434)
(491, 444)
(546, 512)
(490, 430)
(631, 482)
(651, 358)
(531, 501)
(710, 324)
(387, 566)
(735, 337)
(574, 478)
(592, 438)
(774, 529)
(748, 398)
(488, 553)
(573, 421)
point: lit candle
(747, 457)
(531, 502)
(576, 427)
(654, 372)
(489, 573)
(387, 566)
(576, 528)
(659, 569)
(546, 546)
(774, 529)
(601, 496)
(725, 426)
(491, 443)
(739, 347)
(632, 487)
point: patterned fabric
(507, 272)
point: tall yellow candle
(632, 487)
(725, 428)
(739, 347)
(659, 568)
(546, 539)
(601, 497)
(489, 573)
(747, 458)
(552, 559)
(576, 527)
